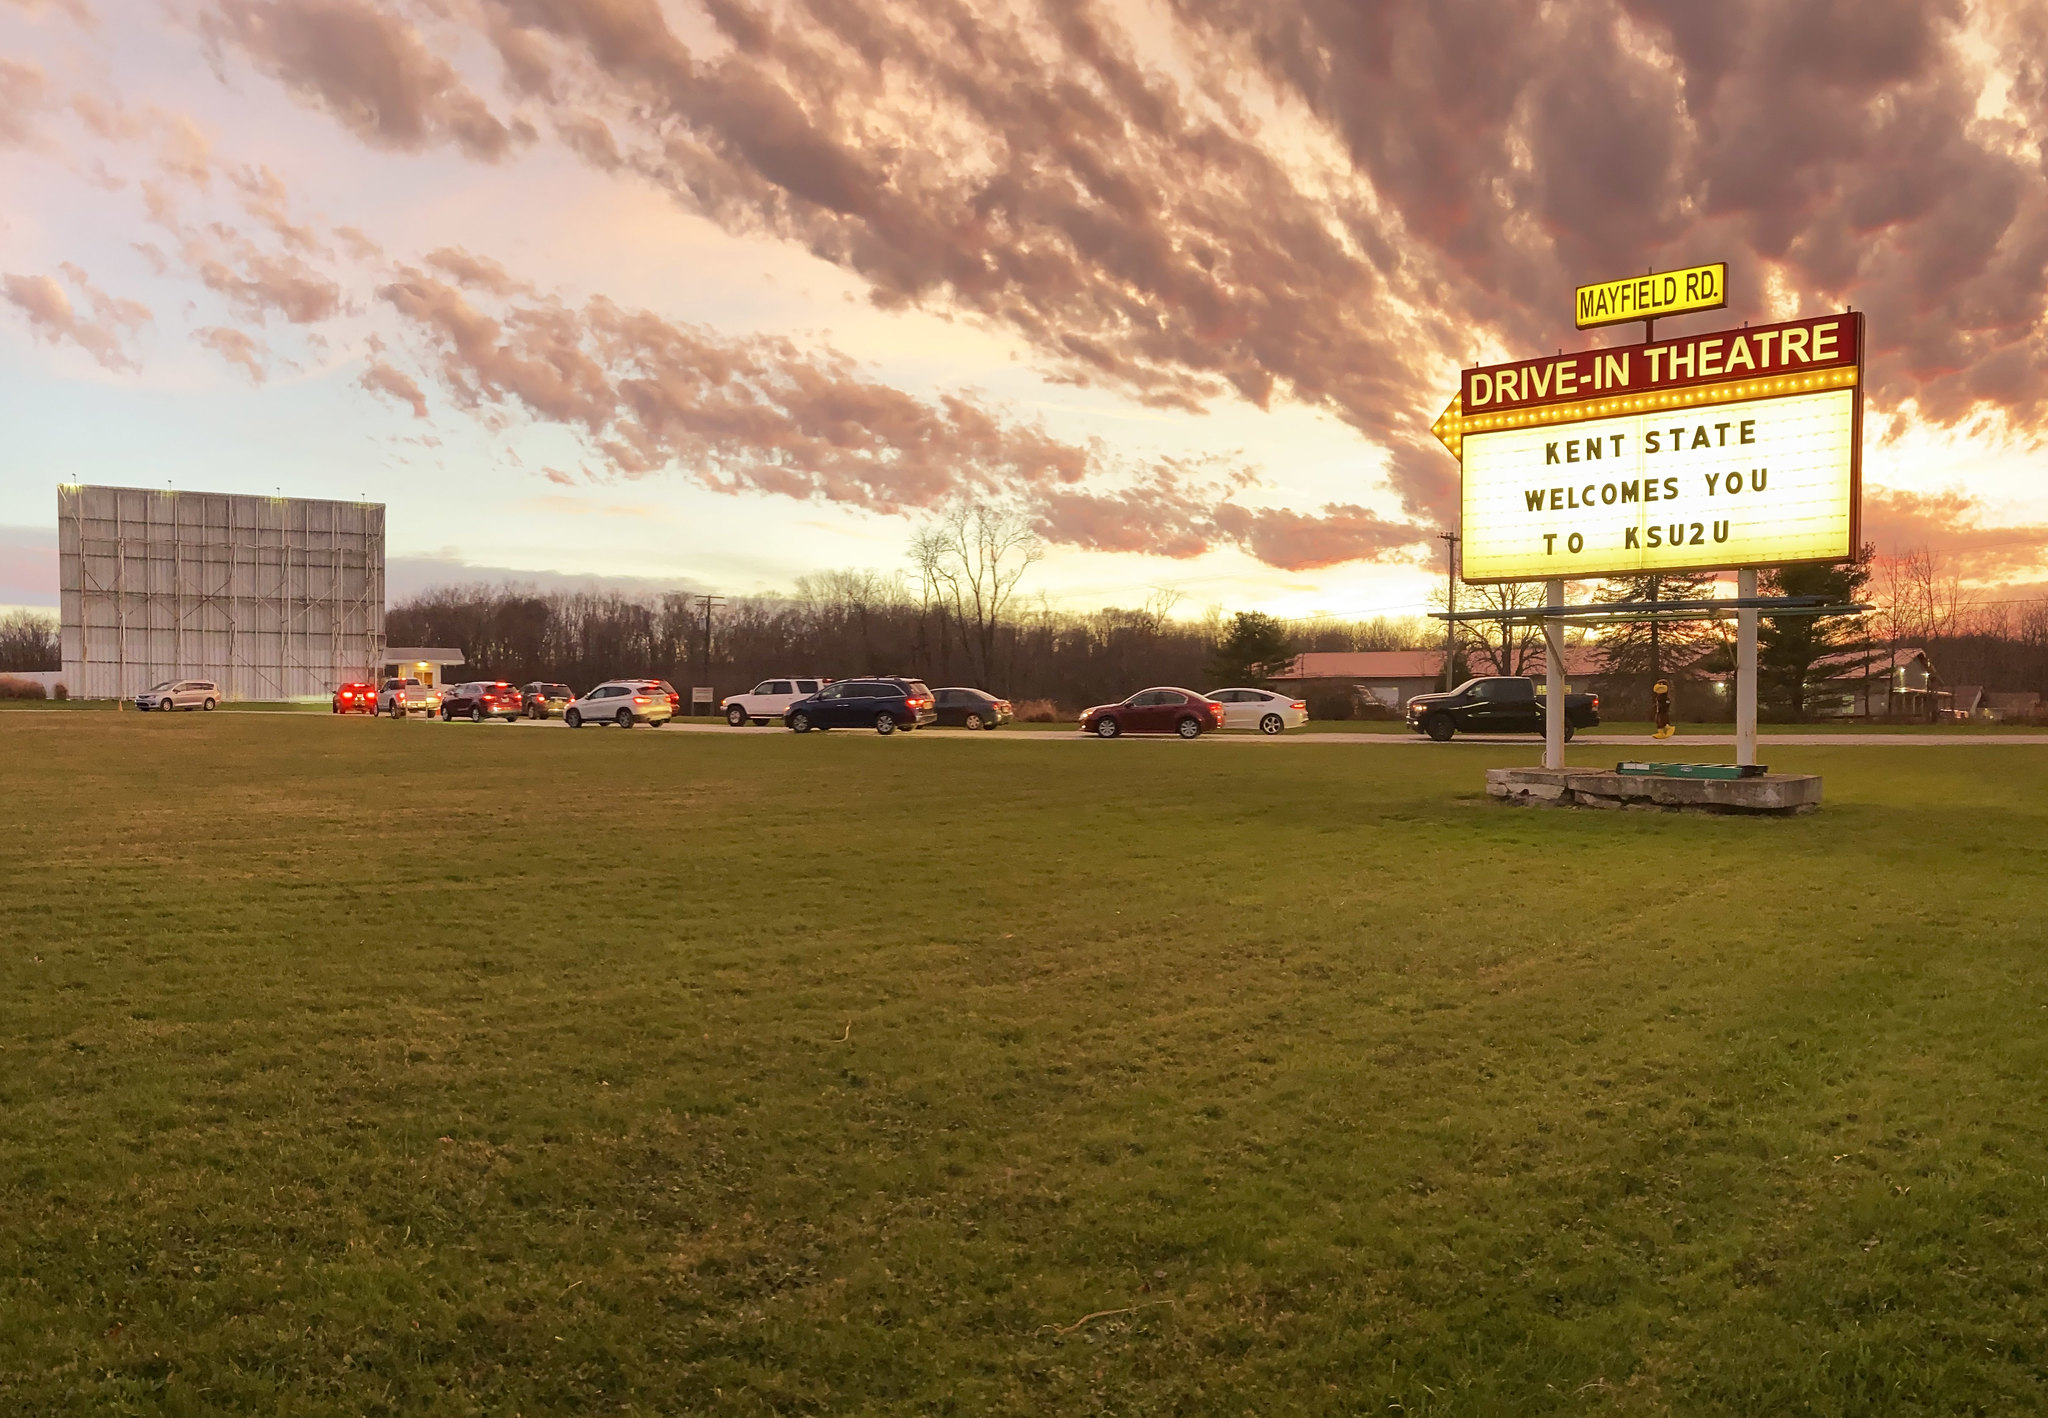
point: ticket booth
(429, 664)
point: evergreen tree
(1641, 653)
(1255, 648)
(1789, 646)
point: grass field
(359, 1068)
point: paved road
(1594, 740)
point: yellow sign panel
(1698, 481)
(1652, 296)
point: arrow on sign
(1449, 427)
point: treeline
(843, 624)
(28, 641)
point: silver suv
(624, 702)
(180, 694)
(400, 697)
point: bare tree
(1502, 647)
(970, 560)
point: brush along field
(365, 1068)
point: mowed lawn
(370, 1068)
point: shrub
(62, 692)
(1036, 711)
(12, 688)
(1337, 701)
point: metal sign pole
(1553, 678)
(1745, 671)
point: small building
(2011, 706)
(1878, 684)
(1389, 678)
(428, 664)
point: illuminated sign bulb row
(1717, 394)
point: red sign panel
(1795, 347)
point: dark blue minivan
(884, 705)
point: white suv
(180, 694)
(624, 702)
(769, 699)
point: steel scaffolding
(273, 597)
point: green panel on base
(1692, 770)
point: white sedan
(1259, 709)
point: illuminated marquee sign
(1733, 448)
(1650, 297)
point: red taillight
(639, 699)
(1596, 701)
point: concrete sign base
(1773, 794)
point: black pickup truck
(1506, 704)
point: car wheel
(624, 718)
(207, 706)
(885, 724)
(1439, 727)
(974, 721)
(736, 716)
(1271, 724)
(167, 706)
(656, 723)
(1106, 728)
(1568, 731)
(476, 715)
(573, 719)
(800, 722)
(1189, 728)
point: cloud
(23, 93)
(1952, 523)
(53, 316)
(762, 415)
(381, 378)
(237, 347)
(367, 67)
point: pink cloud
(53, 317)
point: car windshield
(160, 688)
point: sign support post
(1553, 677)
(1745, 671)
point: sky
(715, 294)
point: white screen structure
(1757, 482)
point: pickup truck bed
(1501, 704)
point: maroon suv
(1155, 711)
(481, 700)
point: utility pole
(704, 604)
(1450, 541)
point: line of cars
(803, 703)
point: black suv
(544, 700)
(1503, 704)
(884, 705)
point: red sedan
(356, 698)
(1155, 711)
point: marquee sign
(1653, 296)
(1731, 448)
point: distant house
(1878, 684)
(2009, 706)
(1389, 677)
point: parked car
(663, 688)
(884, 705)
(1260, 709)
(400, 697)
(543, 700)
(356, 697)
(1503, 704)
(962, 708)
(482, 699)
(770, 699)
(1164, 710)
(180, 694)
(624, 702)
